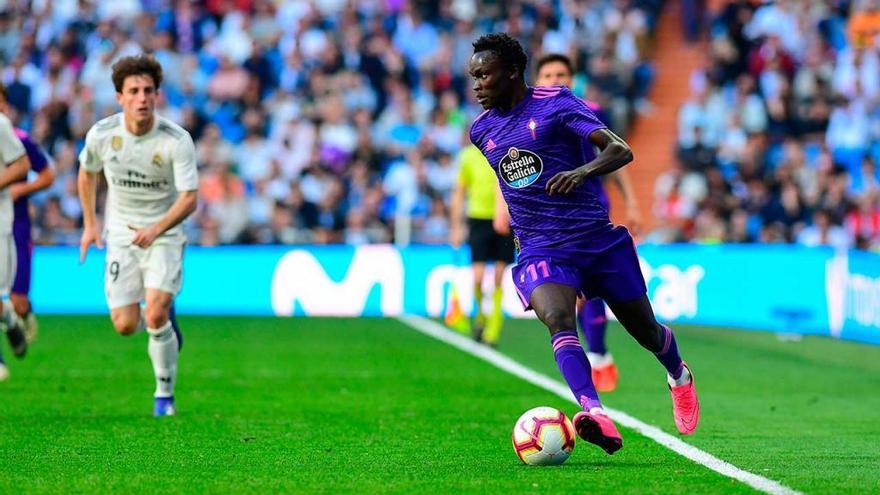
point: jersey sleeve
(576, 116)
(472, 135)
(89, 158)
(186, 176)
(477, 131)
(11, 148)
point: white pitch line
(433, 329)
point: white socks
(162, 348)
(684, 379)
(599, 360)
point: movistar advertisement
(778, 288)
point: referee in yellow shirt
(478, 185)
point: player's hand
(90, 236)
(501, 225)
(633, 219)
(565, 182)
(143, 238)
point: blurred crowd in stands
(316, 121)
(780, 139)
(341, 120)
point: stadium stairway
(654, 135)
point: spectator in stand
(311, 118)
(780, 131)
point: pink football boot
(597, 428)
(685, 406)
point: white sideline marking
(433, 329)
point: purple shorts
(612, 274)
(24, 248)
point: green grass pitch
(371, 406)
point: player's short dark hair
(506, 47)
(554, 57)
(137, 65)
(2, 91)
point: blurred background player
(568, 245)
(150, 166)
(14, 165)
(21, 226)
(555, 69)
(478, 186)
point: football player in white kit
(149, 163)
(14, 166)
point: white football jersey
(144, 174)
(11, 149)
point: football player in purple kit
(533, 137)
(21, 226)
(555, 69)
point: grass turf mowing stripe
(443, 334)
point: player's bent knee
(125, 326)
(126, 320)
(156, 316)
(557, 320)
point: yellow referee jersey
(479, 181)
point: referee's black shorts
(486, 244)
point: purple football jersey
(38, 163)
(544, 134)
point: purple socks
(594, 323)
(668, 355)
(575, 368)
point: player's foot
(492, 332)
(30, 327)
(597, 428)
(164, 407)
(15, 336)
(605, 377)
(172, 316)
(685, 405)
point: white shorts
(130, 270)
(8, 260)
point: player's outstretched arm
(87, 184)
(14, 171)
(614, 153)
(183, 206)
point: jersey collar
(142, 136)
(519, 106)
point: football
(543, 436)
